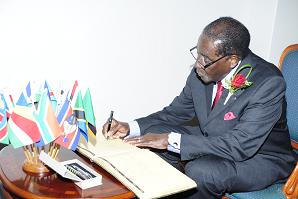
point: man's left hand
(152, 140)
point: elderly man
(241, 142)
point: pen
(76, 172)
(110, 121)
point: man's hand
(152, 140)
(118, 129)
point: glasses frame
(210, 63)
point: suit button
(205, 134)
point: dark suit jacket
(260, 126)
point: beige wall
(133, 54)
(285, 30)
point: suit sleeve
(263, 110)
(179, 111)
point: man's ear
(234, 59)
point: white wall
(133, 54)
(285, 28)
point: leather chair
(288, 64)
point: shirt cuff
(134, 129)
(174, 141)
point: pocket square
(229, 116)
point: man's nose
(198, 65)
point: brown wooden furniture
(18, 184)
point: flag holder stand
(36, 168)
(32, 165)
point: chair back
(288, 64)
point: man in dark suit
(241, 142)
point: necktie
(219, 91)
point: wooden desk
(17, 183)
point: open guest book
(140, 170)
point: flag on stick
(22, 128)
(25, 97)
(3, 122)
(46, 121)
(51, 95)
(80, 115)
(71, 136)
(8, 103)
(74, 92)
(68, 125)
(89, 114)
(88, 107)
(64, 113)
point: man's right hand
(118, 130)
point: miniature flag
(80, 115)
(60, 100)
(11, 99)
(64, 113)
(25, 97)
(70, 136)
(89, 114)
(22, 128)
(46, 120)
(3, 122)
(74, 92)
(8, 103)
(51, 95)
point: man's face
(219, 65)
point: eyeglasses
(195, 54)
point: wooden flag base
(33, 165)
(36, 168)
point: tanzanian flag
(80, 115)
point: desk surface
(18, 182)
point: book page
(108, 147)
(141, 170)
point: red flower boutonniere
(238, 81)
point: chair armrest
(290, 189)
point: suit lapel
(209, 90)
(221, 105)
